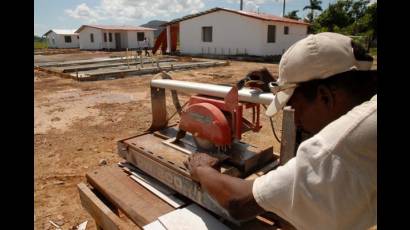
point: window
(271, 33)
(207, 33)
(110, 37)
(92, 37)
(105, 37)
(286, 31)
(140, 36)
(67, 39)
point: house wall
(132, 38)
(283, 41)
(108, 44)
(60, 41)
(85, 42)
(112, 44)
(236, 34)
(128, 39)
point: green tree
(293, 15)
(350, 17)
(343, 16)
(313, 5)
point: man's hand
(233, 194)
(198, 160)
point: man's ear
(325, 96)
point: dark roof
(260, 16)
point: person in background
(146, 46)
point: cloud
(82, 11)
(251, 6)
(129, 10)
(254, 5)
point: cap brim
(279, 101)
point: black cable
(271, 125)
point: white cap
(317, 56)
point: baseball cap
(318, 56)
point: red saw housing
(206, 121)
(219, 120)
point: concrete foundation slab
(121, 71)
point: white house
(62, 38)
(101, 37)
(230, 32)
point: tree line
(349, 17)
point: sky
(71, 14)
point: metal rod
(245, 94)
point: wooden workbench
(115, 201)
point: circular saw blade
(204, 144)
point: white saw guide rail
(245, 94)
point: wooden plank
(136, 202)
(288, 141)
(102, 215)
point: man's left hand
(198, 160)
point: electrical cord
(271, 125)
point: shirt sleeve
(273, 191)
(305, 190)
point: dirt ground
(77, 125)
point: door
(117, 41)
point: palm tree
(293, 15)
(314, 5)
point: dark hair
(361, 85)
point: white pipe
(245, 94)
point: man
(331, 183)
(146, 46)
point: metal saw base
(148, 153)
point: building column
(168, 38)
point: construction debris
(54, 224)
(102, 162)
(82, 226)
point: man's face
(310, 116)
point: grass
(40, 44)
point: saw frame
(161, 150)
